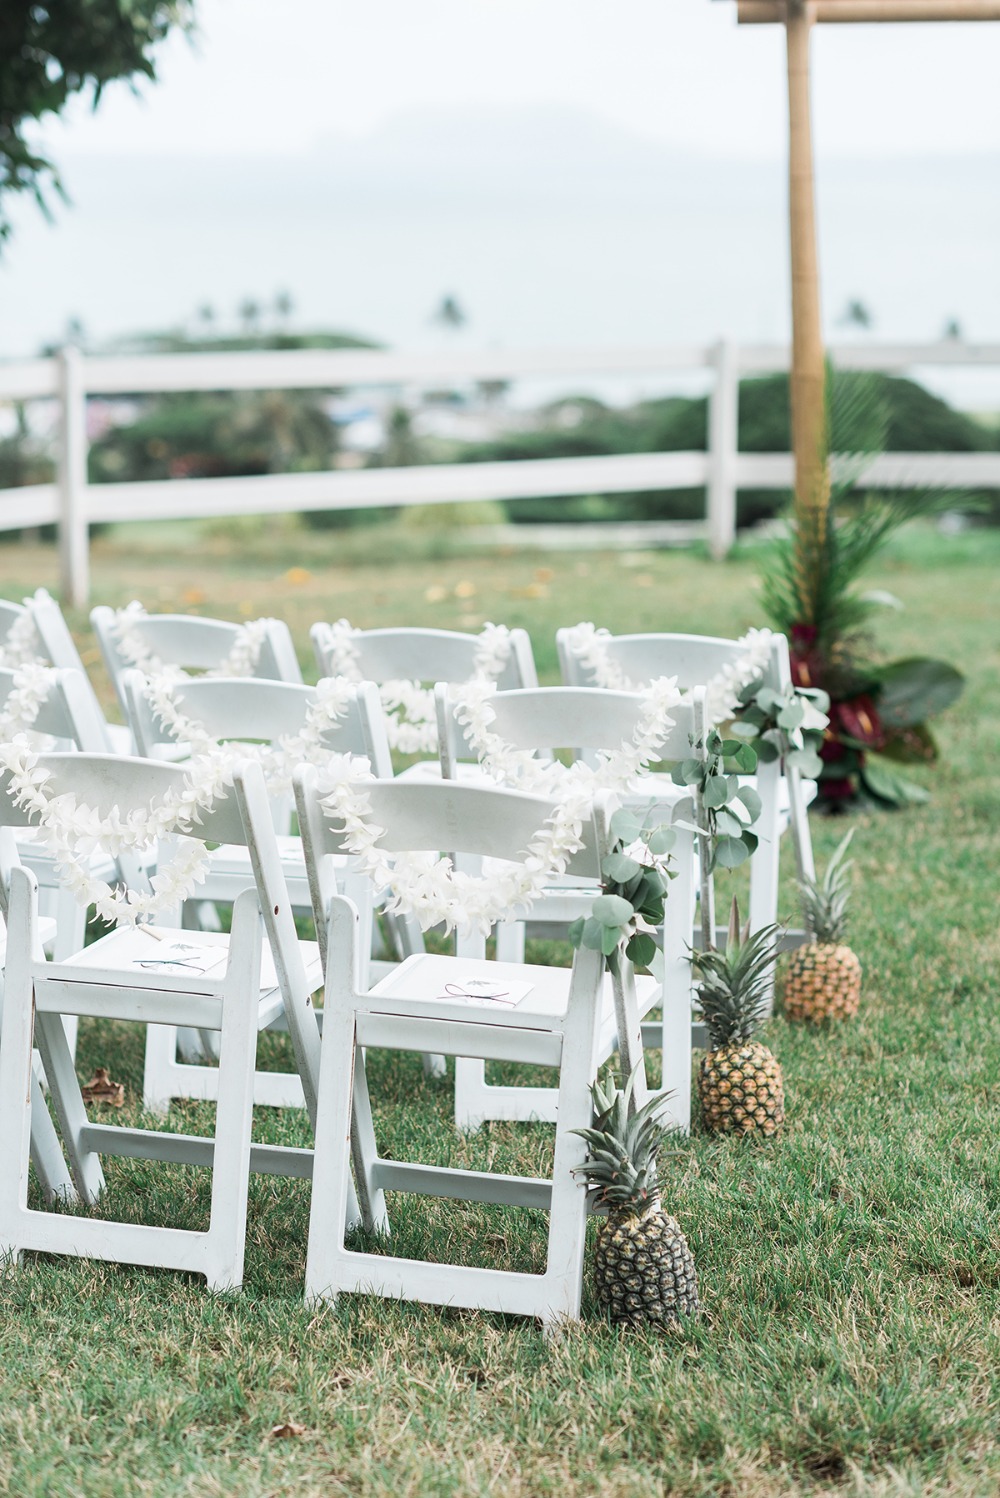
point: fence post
(74, 532)
(723, 443)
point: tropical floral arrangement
(878, 710)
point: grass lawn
(850, 1274)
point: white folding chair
(192, 643)
(570, 1020)
(415, 656)
(255, 711)
(695, 660)
(539, 721)
(235, 985)
(71, 715)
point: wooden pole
(762, 12)
(808, 375)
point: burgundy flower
(858, 718)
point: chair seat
(420, 983)
(175, 964)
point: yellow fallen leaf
(191, 596)
(298, 576)
(285, 1429)
(544, 574)
(101, 1089)
(465, 590)
(435, 593)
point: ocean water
(561, 231)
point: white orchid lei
(617, 769)
(72, 831)
(427, 885)
(411, 721)
(589, 645)
(241, 661)
(21, 645)
(30, 689)
(278, 760)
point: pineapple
(823, 977)
(643, 1269)
(740, 1083)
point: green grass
(850, 1274)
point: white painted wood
(567, 1019)
(255, 710)
(266, 972)
(586, 719)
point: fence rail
(73, 504)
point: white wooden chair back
(194, 644)
(69, 712)
(693, 659)
(548, 718)
(424, 655)
(259, 711)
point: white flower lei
(615, 769)
(241, 661)
(29, 690)
(427, 886)
(278, 760)
(590, 647)
(21, 645)
(411, 721)
(72, 832)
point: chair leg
(234, 1110)
(332, 1158)
(64, 1087)
(364, 1152)
(46, 1152)
(568, 1211)
(764, 863)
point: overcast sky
(277, 76)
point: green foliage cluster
(635, 879)
(915, 421)
(48, 52)
(769, 721)
(217, 435)
(715, 777)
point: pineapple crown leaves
(727, 810)
(825, 901)
(635, 877)
(623, 1143)
(732, 985)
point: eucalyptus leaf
(662, 840)
(575, 931)
(748, 727)
(751, 800)
(611, 910)
(730, 852)
(620, 868)
(610, 939)
(625, 825)
(715, 792)
(640, 949)
(593, 934)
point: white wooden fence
(73, 504)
